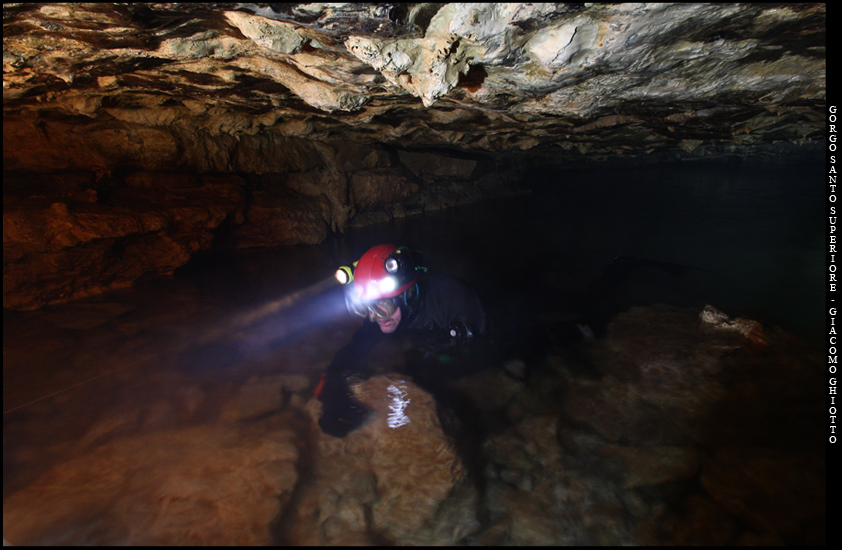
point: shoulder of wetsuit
(469, 317)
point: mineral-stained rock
(714, 319)
(380, 186)
(398, 478)
(771, 490)
(54, 251)
(192, 486)
(73, 234)
(667, 387)
(438, 165)
(654, 465)
(283, 217)
(681, 76)
(401, 108)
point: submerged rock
(397, 479)
(192, 486)
(771, 490)
(676, 440)
(666, 382)
(751, 329)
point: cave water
(180, 410)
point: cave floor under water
(180, 411)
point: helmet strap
(410, 307)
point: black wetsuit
(445, 302)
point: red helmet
(382, 272)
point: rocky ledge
(569, 79)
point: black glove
(341, 413)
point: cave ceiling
(560, 80)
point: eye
(392, 265)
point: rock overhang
(556, 80)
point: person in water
(396, 295)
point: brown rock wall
(281, 216)
(76, 143)
(771, 490)
(84, 199)
(438, 165)
(48, 146)
(385, 186)
(144, 489)
(58, 251)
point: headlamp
(345, 274)
(392, 265)
(387, 285)
(385, 277)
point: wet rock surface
(664, 432)
(227, 483)
(397, 478)
(651, 447)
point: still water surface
(752, 234)
(749, 236)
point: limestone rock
(385, 186)
(284, 217)
(772, 490)
(565, 80)
(262, 395)
(54, 251)
(276, 36)
(218, 486)
(489, 390)
(751, 329)
(438, 165)
(700, 522)
(681, 386)
(655, 465)
(398, 478)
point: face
(390, 324)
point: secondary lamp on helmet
(345, 274)
(392, 265)
(383, 272)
